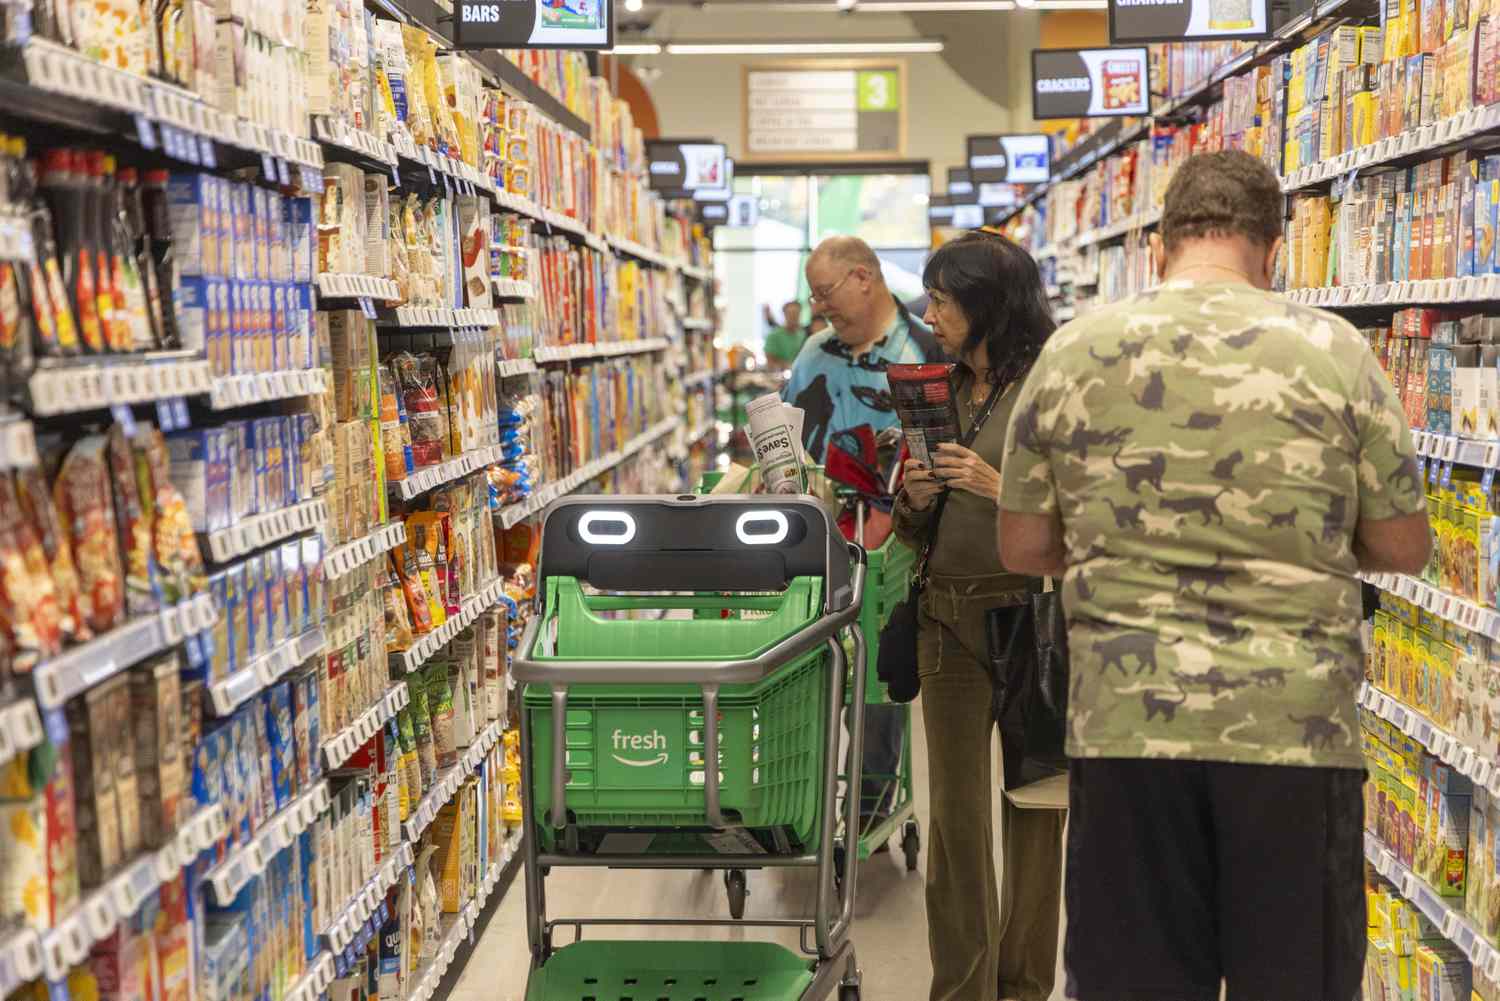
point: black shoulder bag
(896, 663)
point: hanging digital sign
(1090, 83)
(1022, 159)
(1136, 21)
(533, 24)
(679, 168)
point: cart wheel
(849, 992)
(911, 844)
(734, 883)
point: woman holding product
(989, 311)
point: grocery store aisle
(890, 931)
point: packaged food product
(155, 721)
(134, 527)
(90, 732)
(427, 535)
(30, 617)
(40, 511)
(83, 501)
(421, 720)
(417, 381)
(440, 705)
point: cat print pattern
(1209, 450)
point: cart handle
(701, 672)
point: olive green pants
(986, 941)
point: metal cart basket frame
(703, 545)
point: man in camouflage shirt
(1207, 466)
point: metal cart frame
(835, 967)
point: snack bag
(36, 503)
(134, 527)
(83, 501)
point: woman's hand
(961, 469)
(921, 487)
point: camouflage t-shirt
(1210, 449)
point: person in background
(987, 307)
(839, 382)
(1210, 465)
(784, 341)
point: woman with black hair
(988, 310)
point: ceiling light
(935, 7)
(650, 49)
(845, 4)
(800, 48)
(633, 5)
(1068, 4)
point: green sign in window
(878, 90)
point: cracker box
(156, 707)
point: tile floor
(890, 930)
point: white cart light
(761, 518)
(589, 520)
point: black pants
(1183, 873)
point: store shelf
(52, 83)
(1425, 143)
(1449, 607)
(354, 917)
(20, 959)
(430, 317)
(20, 731)
(420, 652)
(1103, 234)
(352, 555)
(1467, 761)
(96, 384)
(698, 378)
(261, 530)
(340, 286)
(513, 514)
(75, 671)
(276, 834)
(262, 387)
(315, 982)
(513, 367)
(337, 133)
(695, 273)
(1444, 912)
(102, 909)
(427, 980)
(446, 784)
(264, 671)
(640, 252)
(574, 352)
(700, 324)
(453, 175)
(1429, 291)
(1457, 449)
(341, 746)
(513, 289)
(419, 482)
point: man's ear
(1158, 255)
(1272, 253)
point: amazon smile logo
(640, 743)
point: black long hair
(999, 289)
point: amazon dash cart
(622, 783)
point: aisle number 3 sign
(826, 110)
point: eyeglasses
(827, 293)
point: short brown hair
(1229, 193)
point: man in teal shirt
(839, 382)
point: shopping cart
(623, 782)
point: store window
(761, 265)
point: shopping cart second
(623, 716)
